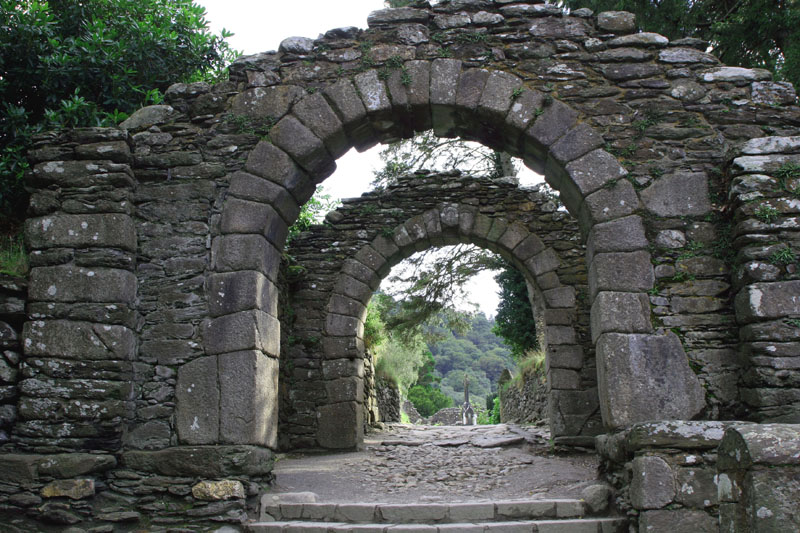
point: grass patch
(13, 255)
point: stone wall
(524, 400)
(388, 400)
(666, 474)
(13, 292)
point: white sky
(261, 25)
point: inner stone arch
(344, 261)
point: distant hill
(479, 353)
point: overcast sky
(261, 25)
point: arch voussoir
(317, 115)
(273, 164)
(307, 150)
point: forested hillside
(479, 353)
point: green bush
(66, 63)
(428, 399)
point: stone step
(574, 525)
(412, 513)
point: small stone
(736, 74)
(74, 489)
(147, 117)
(597, 497)
(652, 483)
(616, 21)
(639, 39)
(297, 45)
(226, 489)
(670, 239)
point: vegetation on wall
(66, 64)
(514, 322)
(747, 33)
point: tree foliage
(432, 282)
(427, 399)
(426, 151)
(747, 33)
(514, 321)
(65, 63)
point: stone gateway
(162, 359)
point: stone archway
(369, 235)
(147, 241)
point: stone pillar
(764, 188)
(79, 343)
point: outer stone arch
(452, 98)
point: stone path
(440, 464)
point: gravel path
(404, 464)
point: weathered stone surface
(242, 216)
(246, 330)
(616, 21)
(620, 312)
(769, 445)
(639, 39)
(686, 55)
(554, 121)
(678, 520)
(340, 425)
(771, 145)
(306, 149)
(401, 14)
(268, 161)
(684, 434)
(230, 253)
(197, 393)
(498, 95)
(678, 195)
(630, 71)
(576, 142)
(317, 115)
(226, 489)
(373, 93)
(622, 235)
(248, 384)
(765, 301)
(240, 291)
(269, 104)
(444, 75)
(78, 340)
(735, 74)
(344, 99)
(621, 271)
(773, 93)
(77, 284)
(612, 201)
(74, 489)
(297, 45)
(645, 377)
(652, 483)
(590, 172)
(559, 28)
(249, 187)
(145, 117)
(202, 461)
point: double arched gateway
(154, 331)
